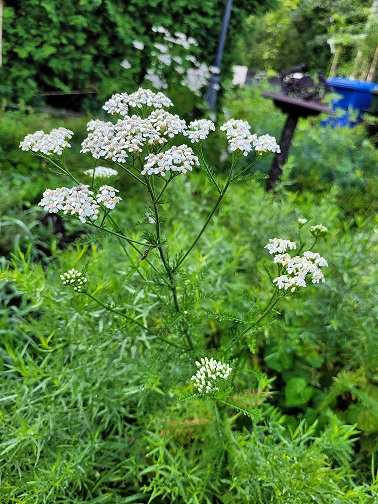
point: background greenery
(86, 41)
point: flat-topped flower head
(75, 201)
(266, 143)
(75, 279)
(120, 103)
(238, 136)
(295, 269)
(279, 246)
(199, 130)
(107, 196)
(301, 221)
(209, 375)
(47, 143)
(101, 172)
(176, 159)
(118, 141)
(166, 124)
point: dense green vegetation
(300, 31)
(97, 399)
(67, 45)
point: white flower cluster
(101, 172)
(296, 268)
(75, 201)
(107, 196)
(199, 130)
(120, 103)
(277, 245)
(156, 80)
(47, 143)
(238, 136)
(318, 230)
(209, 373)
(74, 278)
(176, 159)
(266, 143)
(116, 141)
(195, 78)
(130, 134)
(79, 201)
(167, 124)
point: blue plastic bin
(354, 94)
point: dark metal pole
(213, 86)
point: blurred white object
(240, 75)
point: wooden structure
(305, 103)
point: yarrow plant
(154, 147)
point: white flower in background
(302, 221)
(318, 230)
(196, 78)
(266, 143)
(138, 45)
(126, 64)
(101, 172)
(199, 130)
(159, 29)
(210, 372)
(176, 159)
(47, 143)
(75, 201)
(238, 136)
(295, 269)
(155, 80)
(161, 47)
(214, 70)
(277, 245)
(107, 196)
(74, 279)
(164, 59)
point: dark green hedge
(80, 44)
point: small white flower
(101, 172)
(302, 221)
(75, 201)
(107, 196)
(47, 143)
(266, 143)
(209, 374)
(199, 130)
(278, 245)
(176, 159)
(126, 64)
(238, 136)
(138, 45)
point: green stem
(216, 205)
(131, 173)
(131, 319)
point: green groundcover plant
(131, 370)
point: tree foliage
(298, 32)
(65, 44)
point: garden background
(98, 404)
